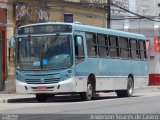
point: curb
(149, 88)
(16, 100)
(3, 100)
(21, 100)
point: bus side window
(103, 45)
(142, 46)
(91, 44)
(113, 46)
(134, 49)
(138, 50)
(124, 47)
(79, 48)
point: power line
(133, 18)
(144, 17)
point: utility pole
(108, 14)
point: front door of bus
(80, 59)
(79, 47)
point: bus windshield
(43, 52)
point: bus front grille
(42, 81)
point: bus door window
(79, 48)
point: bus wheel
(41, 97)
(129, 91)
(86, 96)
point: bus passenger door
(79, 47)
(80, 62)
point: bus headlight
(18, 77)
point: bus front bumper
(66, 86)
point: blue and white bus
(58, 58)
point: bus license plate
(41, 88)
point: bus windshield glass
(43, 52)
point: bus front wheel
(41, 97)
(129, 91)
(86, 96)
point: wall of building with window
(3, 44)
(86, 15)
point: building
(90, 12)
(151, 9)
(149, 26)
(3, 43)
(117, 13)
(140, 25)
(86, 12)
(146, 7)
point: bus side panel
(83, 69)
(140, 72)
(111, 83)
(104, 83)
(81, 83)
(120, 82)
(111, 75)
(140, 81)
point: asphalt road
(148, 103)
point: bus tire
(41, 97)
(87, 96)
(129, 91)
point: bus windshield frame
(44, 52)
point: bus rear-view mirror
(12, 42)
(78, 41)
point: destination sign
(44, 29)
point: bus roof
(88, 28)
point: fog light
(58, 86)
(26, 88)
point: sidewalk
(148, 91)
(8, 98)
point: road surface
(144, 103)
